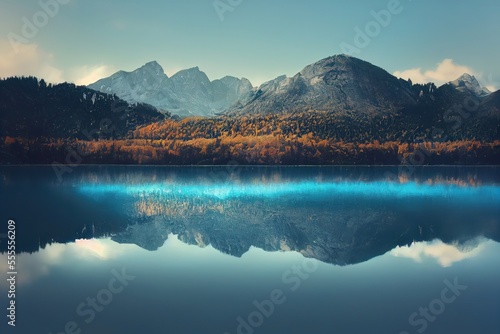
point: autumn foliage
(249, 141)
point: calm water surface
(253, 250)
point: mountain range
(340, 84)
(187, 93)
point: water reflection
(40, 264)
(445, 254)
(336, 215)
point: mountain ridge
(345, 85)
(188, 92)
(340, 83)
(336, 83)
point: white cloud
(444, 72)
(31, 60)
(85, 75)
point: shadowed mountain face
(492, 102)
(338, 83)
(336, 215)
(187, 93)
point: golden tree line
(291, 139)
(266, 149)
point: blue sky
(427, 40)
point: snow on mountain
(469, 83)
(187, 93)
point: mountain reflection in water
(336, 215)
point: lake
(231, 249)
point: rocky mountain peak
(152, 68)
(193, 73)
(336, 83)
(467, 82)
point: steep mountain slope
(354, 88)
(187, 93)
(136, 86)
(492, 102)
(339, 83)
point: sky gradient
(84, 41)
